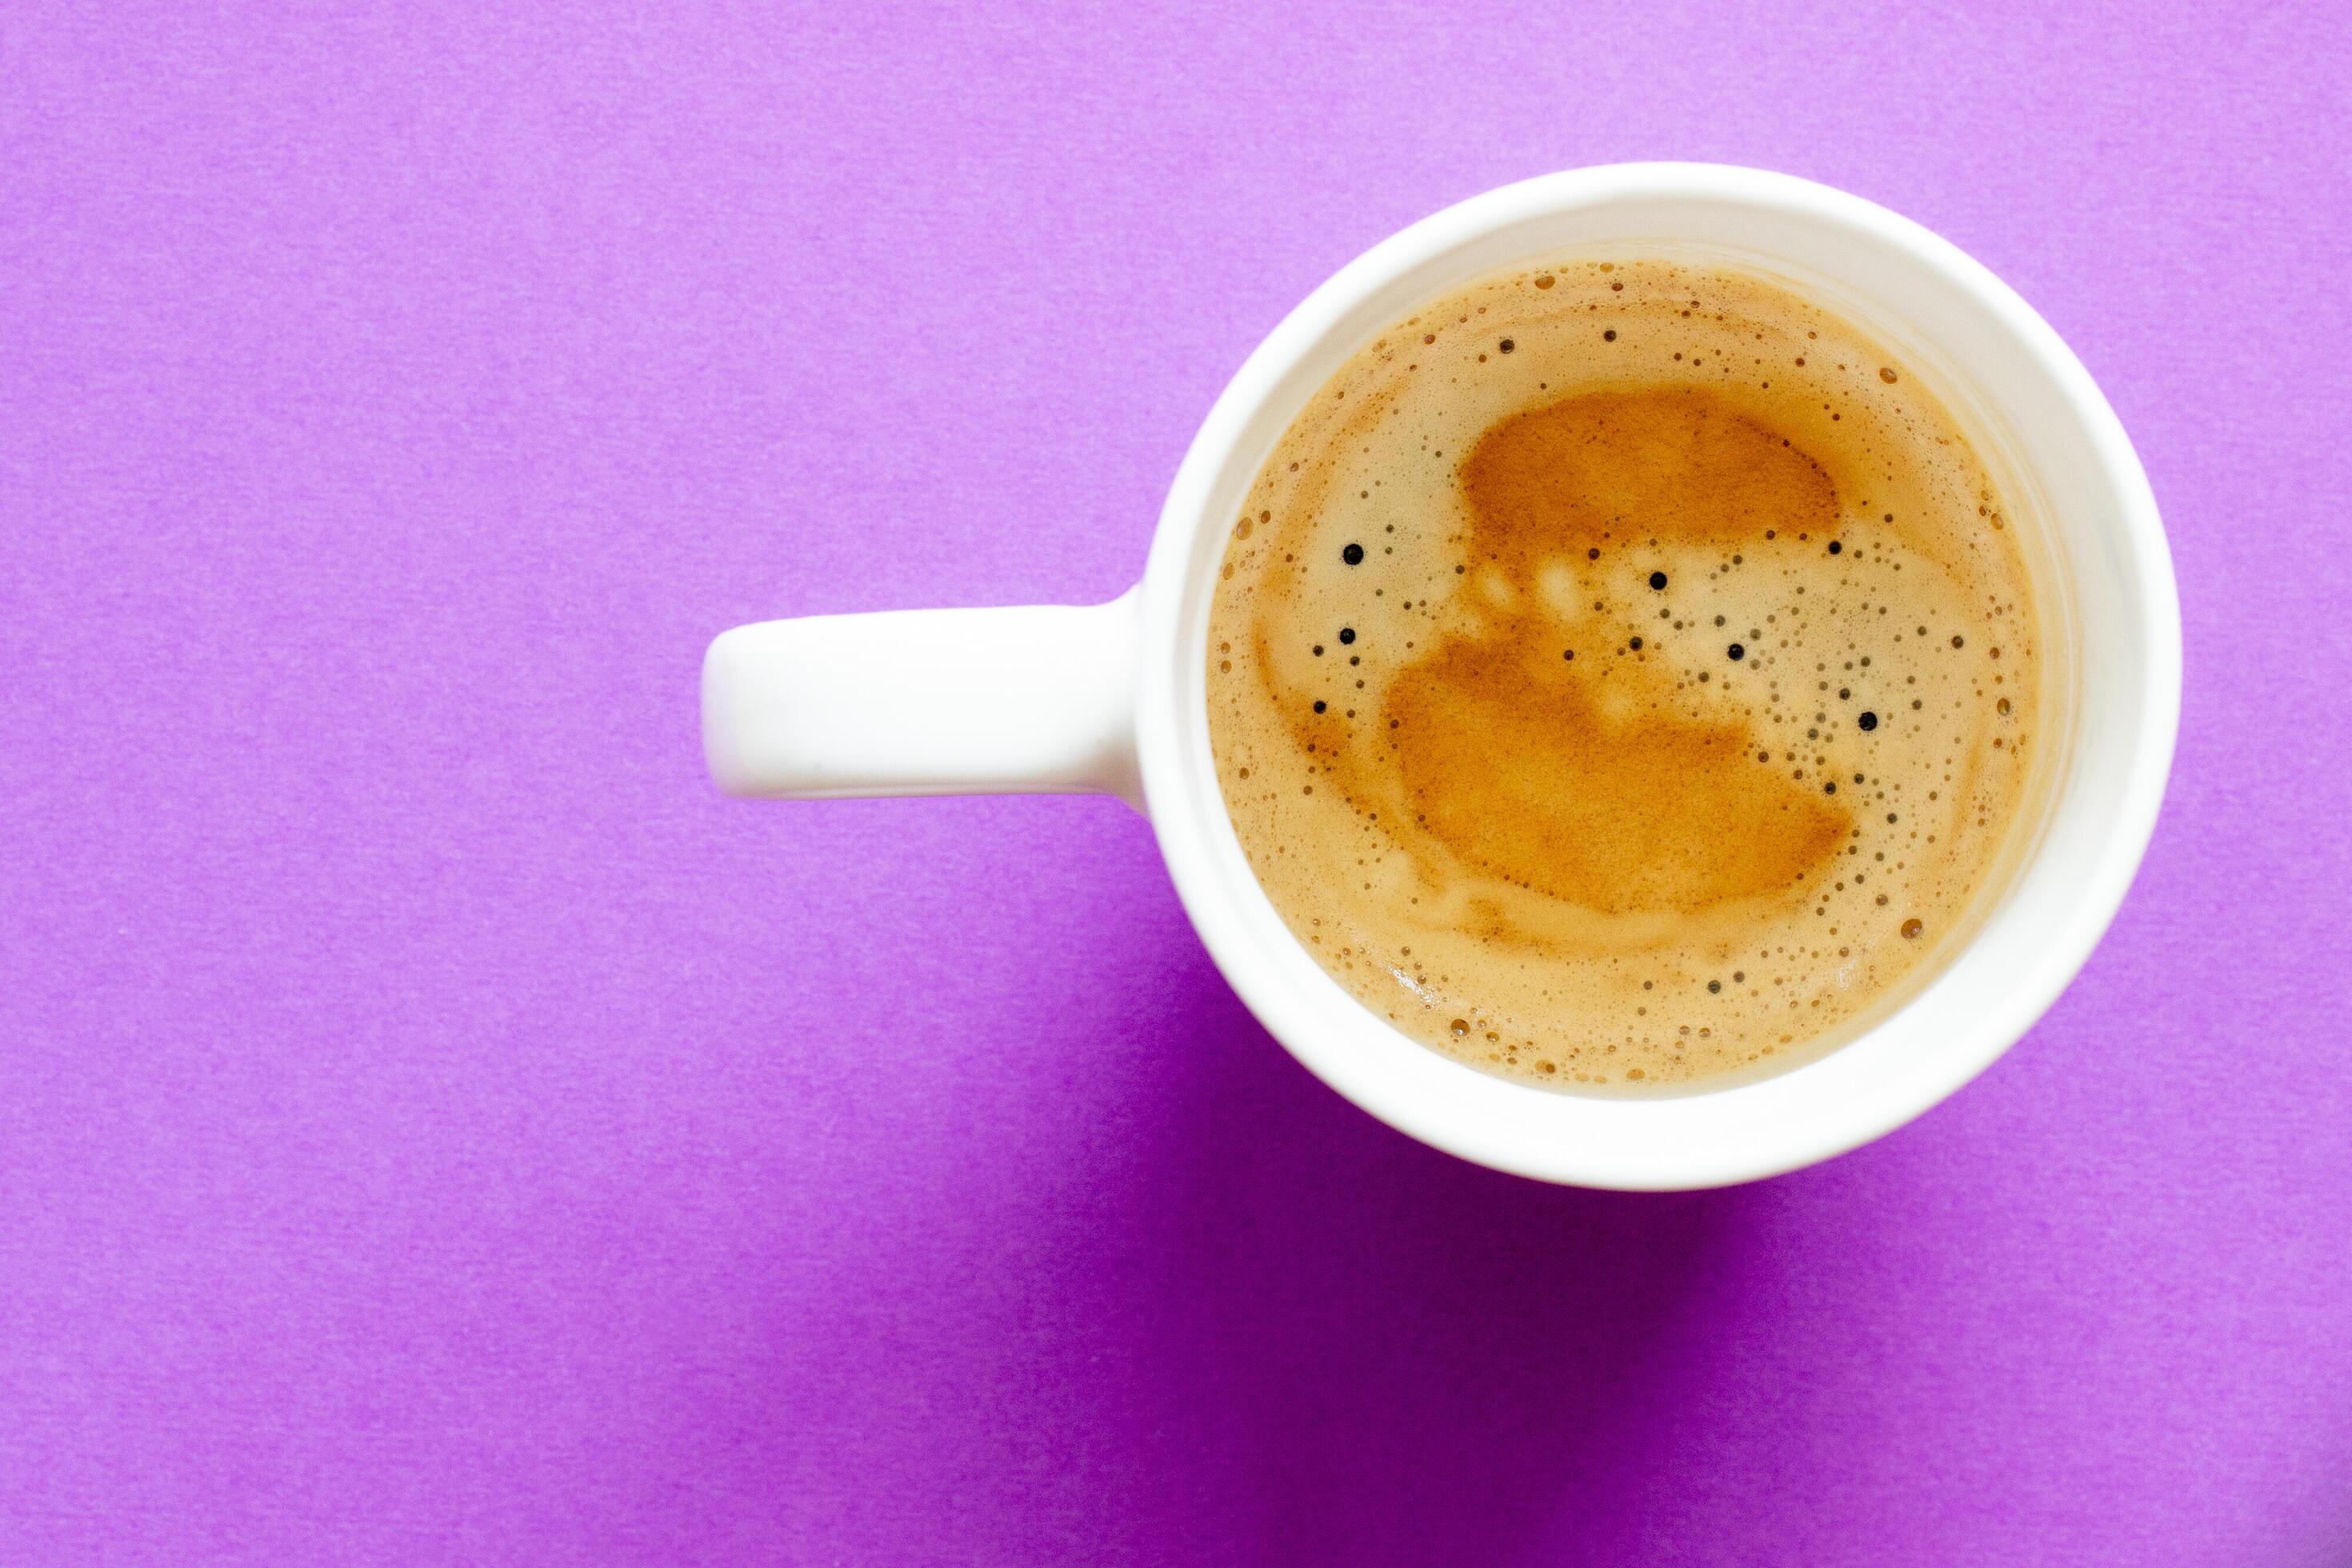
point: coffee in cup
(1624, 676)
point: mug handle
(1034, 699)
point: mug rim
(1310, 1020)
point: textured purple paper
(435, 1128)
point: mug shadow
(1380, 1353)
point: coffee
(1624, 675)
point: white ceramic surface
(1112, 697)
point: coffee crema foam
(1623, 674)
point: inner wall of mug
(2051, 445)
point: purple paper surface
(436, 1128)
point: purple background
(436, 1128)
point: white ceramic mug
(1113, 698)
